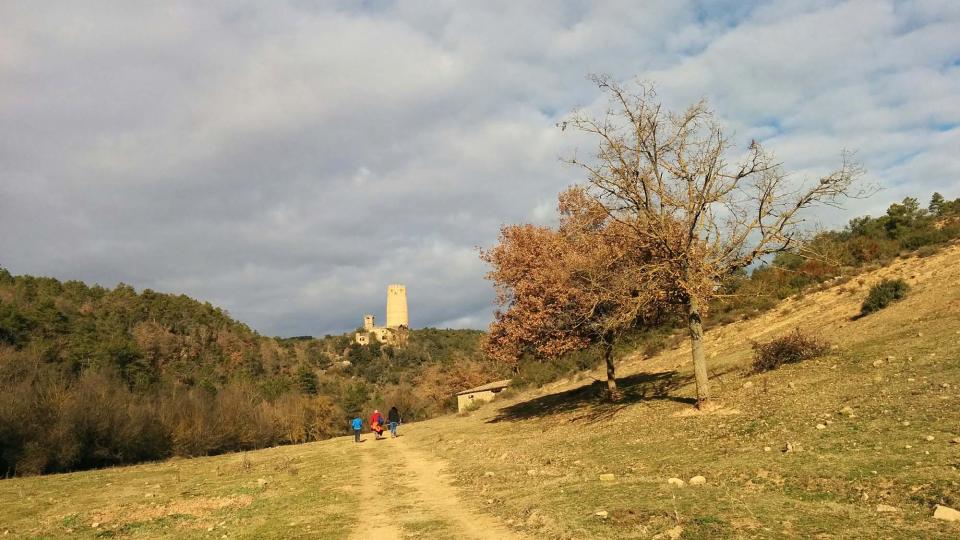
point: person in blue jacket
(357, 425)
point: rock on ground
(946, 513)
(887, 508)
(697, 481)
(607, 477)
(676, 482)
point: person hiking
(393, 416)
(376, 423)
(357, 425)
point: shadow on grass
(592, 401)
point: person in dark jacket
(394, 418)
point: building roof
(496, 385)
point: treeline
(865, 242)
(94, 377)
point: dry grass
(192, 498)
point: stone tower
(368, 322)
(397, 306)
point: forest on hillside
(95, 377)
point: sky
(286, 161)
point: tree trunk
(695, 324)
(611, 371)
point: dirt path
(411, 497)
(374, 522)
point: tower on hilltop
(397, 306)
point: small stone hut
(480, 394)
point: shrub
(927, 251)
(883, 294)
(471, 407)
(788, 349)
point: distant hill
(97, 376)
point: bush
(788, 349)
(883, 294)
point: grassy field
(300, 491)
(872, 423)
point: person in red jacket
(376, 423)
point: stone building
(480, 394)
(398, 320)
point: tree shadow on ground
(592, 400)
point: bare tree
(670, 180)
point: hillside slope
(536, 460)
(886, 397)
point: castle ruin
(397, 319)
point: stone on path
(946, 513)
(697, 481)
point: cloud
(289, 161)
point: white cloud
(288, 161)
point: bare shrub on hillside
(305, 418)
(789, 349)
